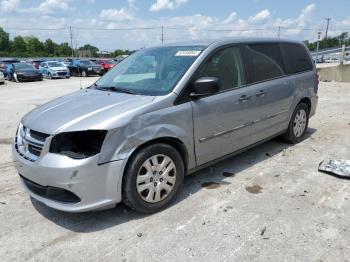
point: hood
(82, 110)
(61, 68)
(28, 71)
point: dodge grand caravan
(160, 114)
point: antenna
(71, 40)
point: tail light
(317, 82)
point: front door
(222, 122)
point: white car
(2, 78)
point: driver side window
(226, 65)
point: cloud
(121, 14)
(230, 18)
(8, 6)
(345, 22)
(305, 13)
(260, 17)
(162, 5)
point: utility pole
(162, 38)
(318, 45)
(328, 20)
(279, 32)
(71, 40)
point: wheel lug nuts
(155, 184)
(151, 179)
(154, 172)
(161, 180)
(160, 172)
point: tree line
(31, 46)
(337, 41)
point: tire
(300, 118)
(49, 76)
(83, 73)
(155, 190)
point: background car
(23, 72)
(106, 65)
(4, 63)
(54, 69)
(2, 78)
(36, 63)
(84, 68)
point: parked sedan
(106, 65)
(2, 78)
(84, 68)
(54, 69)
(23, 72)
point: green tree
(19, 46)
(64, 49)
(50, 47)
(34, 46)
(4, 42)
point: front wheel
(298, 124)
(153, 177)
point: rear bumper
(314, 102)
(71, 185)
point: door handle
(244, 98)
(260, 93)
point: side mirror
(205, 86)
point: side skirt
(197, 168)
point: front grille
(52, 193)
(29, 143)
(62, 73)
(38, 135)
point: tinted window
(262, 62)
(225, 64)
(297, 58)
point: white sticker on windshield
(188, 53)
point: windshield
(84, 62)
(55, 64)
(153, 71)
(24, 66)
(109, 62)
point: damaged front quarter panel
(174, 122)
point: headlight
(79, 144)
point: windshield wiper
(116, 89)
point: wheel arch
(306, 101)
(171, 141)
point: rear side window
(297, 58)
(262, 62)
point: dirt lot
(271, 205)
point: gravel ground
(267, 204)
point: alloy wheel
(156, 178)
(299, 123)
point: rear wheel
(83, 73)
(152, 178)
(298, 124)
(49, 76)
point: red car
(106, 64)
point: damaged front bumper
(72, 185)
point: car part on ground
(339, 168)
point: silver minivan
(162, 113)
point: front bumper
(96, 186)
(29, 77)
(60, 74)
